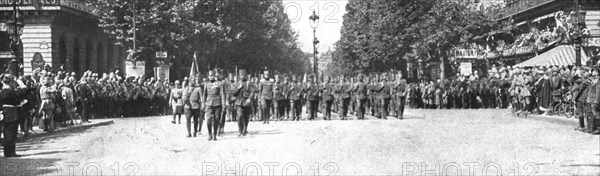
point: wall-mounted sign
(466, 68)
(137, 68)
(161, 54)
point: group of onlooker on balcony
(563, 30)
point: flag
(193, 69)
(304, 79)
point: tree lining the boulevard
(253, 35)
(384, 35)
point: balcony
(517, 6)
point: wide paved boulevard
(432, 142)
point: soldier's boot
(209, 126)
(216, 130)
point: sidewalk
(555, 119)
(37, 132)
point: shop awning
(561, 55)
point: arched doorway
(76, 56)
(99, 58)
(111, 55)
(88, 55)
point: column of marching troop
(241, 98)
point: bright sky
(330, 14)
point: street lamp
(16, 30)
(314, 23)
(576, 35)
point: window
(4, 41)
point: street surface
(432, 142)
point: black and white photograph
(300, 87)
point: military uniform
(11, 101)
(295, 97)
(327, 91)
(360, 90)
(192, 103)
(84, 96)
(343, 90)
(279, 92)
(243, 93)
(593, 99)
(311, 91)
(384, 96)
(266, 99)
(400, 97)
(213, 106)
(228, 106)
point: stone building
(62, 33)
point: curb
(555, 119)
(62, 130)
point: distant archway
(99, 58)
(76, 56)
(111, 55)
(88, 55)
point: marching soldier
(400, 96)
(243, 93)
(327, 92)
(361, 92)
(286, 96)
(311, 93)
(229, 108)
(295, 97)
(344, 91)
(384, 91)
(279, 97)
(214, 101)
(192, 97)
(266, 97)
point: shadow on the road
(27, 166)
(251, 134)
(266, 132)
(62, 133)
(49, 153)
(20, 166)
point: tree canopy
(383, 35)
(253, 35)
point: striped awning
(559, 56)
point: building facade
(62, 34)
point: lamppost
(16, 29)
(314, 23)
(576, 35)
